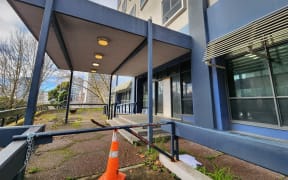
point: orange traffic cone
(112, 172)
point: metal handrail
(47, 136)
(16, 114)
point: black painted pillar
(35, 84)
(149, 80)
(109, 113)
(69, 97)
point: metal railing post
(172, 145)
(177, 147)
(3, 122)
(69, 96)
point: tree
(97, 85)
(17, 58)
(59, 95)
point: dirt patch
(239, 168)
(82, 155)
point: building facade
(236, 78)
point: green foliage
(59, 95)
(151, 160)
(4, 103)
(70, 178)
(76, 124)
(33, 170)
(219, 173)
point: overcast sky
(9, 20)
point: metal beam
(60, 39)
(69, 97)
(149, 80)
(131, 55)
(35, 85)
(96, 13)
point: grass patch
(67, 153)
(219, 173)
(76, 124)
(212, 157)
(70, 178)
(151, 160)
(33, 170)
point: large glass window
(187, 93)
(258, 86)
(176, 95)
(145, 95)
(142, 3)
(159, 97)
(279, 59)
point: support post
(149, 80)
(69, 96)
(3, 122)
(109, 112)
(172, 145)
(35, 84)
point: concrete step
(130, 138)
(157, 132)
(141, 130)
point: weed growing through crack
(33, 170)
(219, 173)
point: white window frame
(142, 3)
(175, 15)
(133, 9)
(124, 6)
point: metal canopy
(74, 29)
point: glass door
(176, 95)
(159, 96)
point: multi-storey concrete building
(243, 86)
(220, 74)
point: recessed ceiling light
(93, 71)
(95, 64)
(102, 41)
(98, 56)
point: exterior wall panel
(228, 15)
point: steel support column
(35, 84)
(69, 97)
(149, 80)
(109, 100)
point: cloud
(110, 3)
(9, 20)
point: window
(133, 10)
(170, 8)
(119, 3)
(258, 86)
(124, 6)
(187, 93)
(142, 3)
(159, 97)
